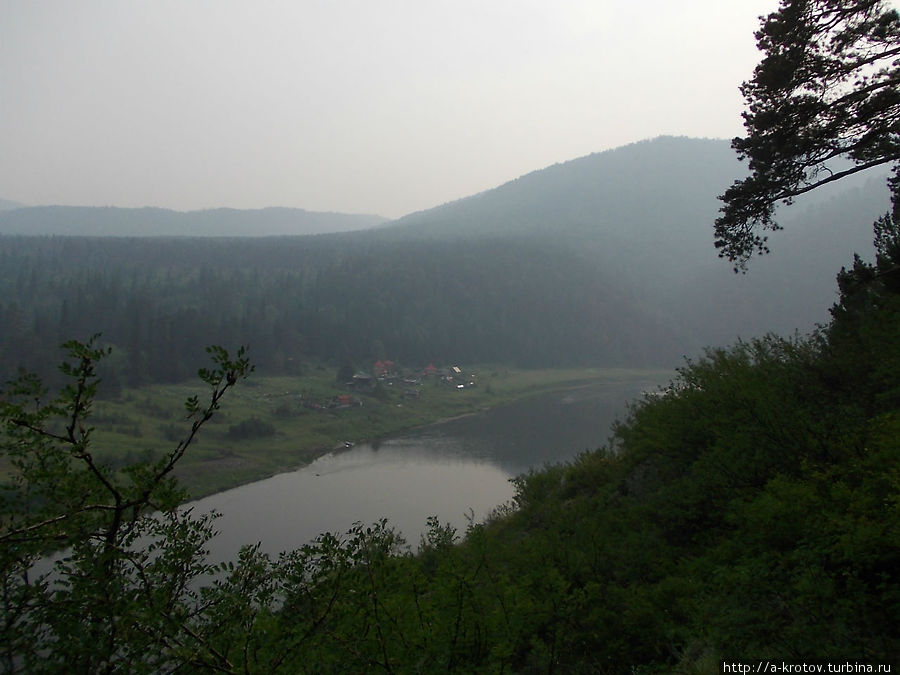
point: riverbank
(269, 425)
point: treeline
(339, 299)
(605, 260)
(747, 513)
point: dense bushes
(750, 512)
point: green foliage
(825, 90)
(751, 508)
(252, 427)
(345, 373)
(333, 301)
(119, 596)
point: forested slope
(605, 260)
(746, 514)
(745, 518)
(159, 303)
(641, 214)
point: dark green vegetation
(602, 261)
(124, 583)
(748, 512)
(277, 423)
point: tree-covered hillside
(604, 260)
(747, 513)
(294, 300)
(641, 214)
(746, 518)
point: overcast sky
(360, 106)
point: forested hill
(642, 215)
(660, 190)
(638, 190)
(97, 221)
(605, 260)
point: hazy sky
(362, 106)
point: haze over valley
(326, 348)
(86, 221)
(602, 260)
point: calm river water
(448, 470)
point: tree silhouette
(824, 103)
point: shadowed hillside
(604, 260)
(642, 214)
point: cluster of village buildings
(388, 374)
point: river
(454, 470)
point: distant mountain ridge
(643, 215)
(590, 194)
(641, 188)
(101, 221)
(606, 259)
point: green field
(267, 425)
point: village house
(363, 383)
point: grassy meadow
(271, 424)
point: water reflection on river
(400, 481)
(449, 470)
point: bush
(251, 428)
